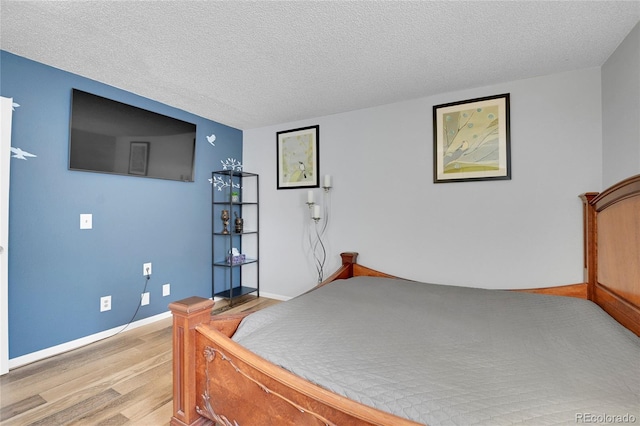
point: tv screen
(111, 137)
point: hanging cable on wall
(144, 290)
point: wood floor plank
(149, 398)
(161, 385)
(113, 370)
(249, 303)
(124, 379)
(116, 420)
(76, 410)
(72, 369)
(149, 376)
(52, 366)
(90, 404)
(20, 407)
(159, 417)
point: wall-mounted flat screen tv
(111, 137)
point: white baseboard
(75, 344)
(274, 296)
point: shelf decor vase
(224, 216)
(239, 222)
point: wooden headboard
(611, 254)
(612, 250)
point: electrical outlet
(146, 269)
(166, 290)
(145, 299)
(105, 303)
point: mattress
(445, 355)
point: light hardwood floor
(124, 379)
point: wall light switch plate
(146, 269)
(145, 299)
(166, 290)
(86, 221)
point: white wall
(526, 232)
(621, 110)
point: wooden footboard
(220, 381)
(236, 386)
(215, 379)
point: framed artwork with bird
(471, 140)
(298, 158)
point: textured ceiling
(251, 64)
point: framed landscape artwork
(471, 140)
(298, 158)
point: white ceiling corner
(256, 63)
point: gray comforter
(444, 355)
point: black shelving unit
(235, 278)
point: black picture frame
(298, 158)
(471, 140)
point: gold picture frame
(471, 140)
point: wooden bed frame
(218, 381)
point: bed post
(349, 258)
(187, 314)
(345, 271)
(590, 241)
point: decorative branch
(231, 164)
(210, 354)
(221, 183)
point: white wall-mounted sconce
(310, 198)
(327, 183)
(316, 245)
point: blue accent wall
(58, 272)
